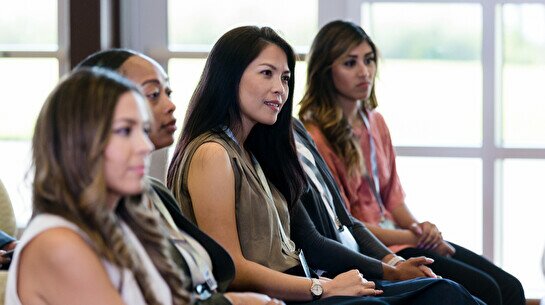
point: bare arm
(403, 216)
(393, 237)
(429, 236)
(58, 267)
(210, 169)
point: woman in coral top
(338, 110)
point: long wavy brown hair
(319, 104)
(70, 137)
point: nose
(169, 105)
(143, 144)
(363, 70)
(280, 88)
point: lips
(170, 126)
(140, 170)
(274, 105)
(364, 85)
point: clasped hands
(430, 238)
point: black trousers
(478, 275)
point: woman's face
(155, 84)
(126, 157)
(354, 73)
(263, 88)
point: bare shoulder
(55, 248)
(210, 154)
(59, 259)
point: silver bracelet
(395, 260)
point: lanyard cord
(374, 181)
(200, 269)
(309, 166)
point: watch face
(316, 289)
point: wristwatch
(316, 289)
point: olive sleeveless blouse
(257, 224)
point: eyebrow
(132, 122)
(154, 81)
(151, 81)
(126, 120)
(370, 53)
(273, 67)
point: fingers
(369, 284)
(351, 283)
(430, 236)
(449, 249)
(415, 228)
(433, 242)
(427, 271)
(371, 292)
(420, 260)
(275, 302)
(369, 287)
(364, 282)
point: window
(523, 69)
(418, 42)
(522, 128)
(453, 199)
(522, 241)
(30, 60)
(194, 25)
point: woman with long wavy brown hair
(338, 110)
(92, 240)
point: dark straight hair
(109, 59)
(215, 103)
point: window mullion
(490, 83)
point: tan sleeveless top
(257, 225)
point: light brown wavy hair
(319, 105)
(71, 134)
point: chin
(269, 121)
(162, 143)
(133, 191)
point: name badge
(304, 264)
(386, 223)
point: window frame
(61, 54)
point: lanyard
(288, 246)
(374, 181)
(309, 166)
(199, 267)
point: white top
(130, 292)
